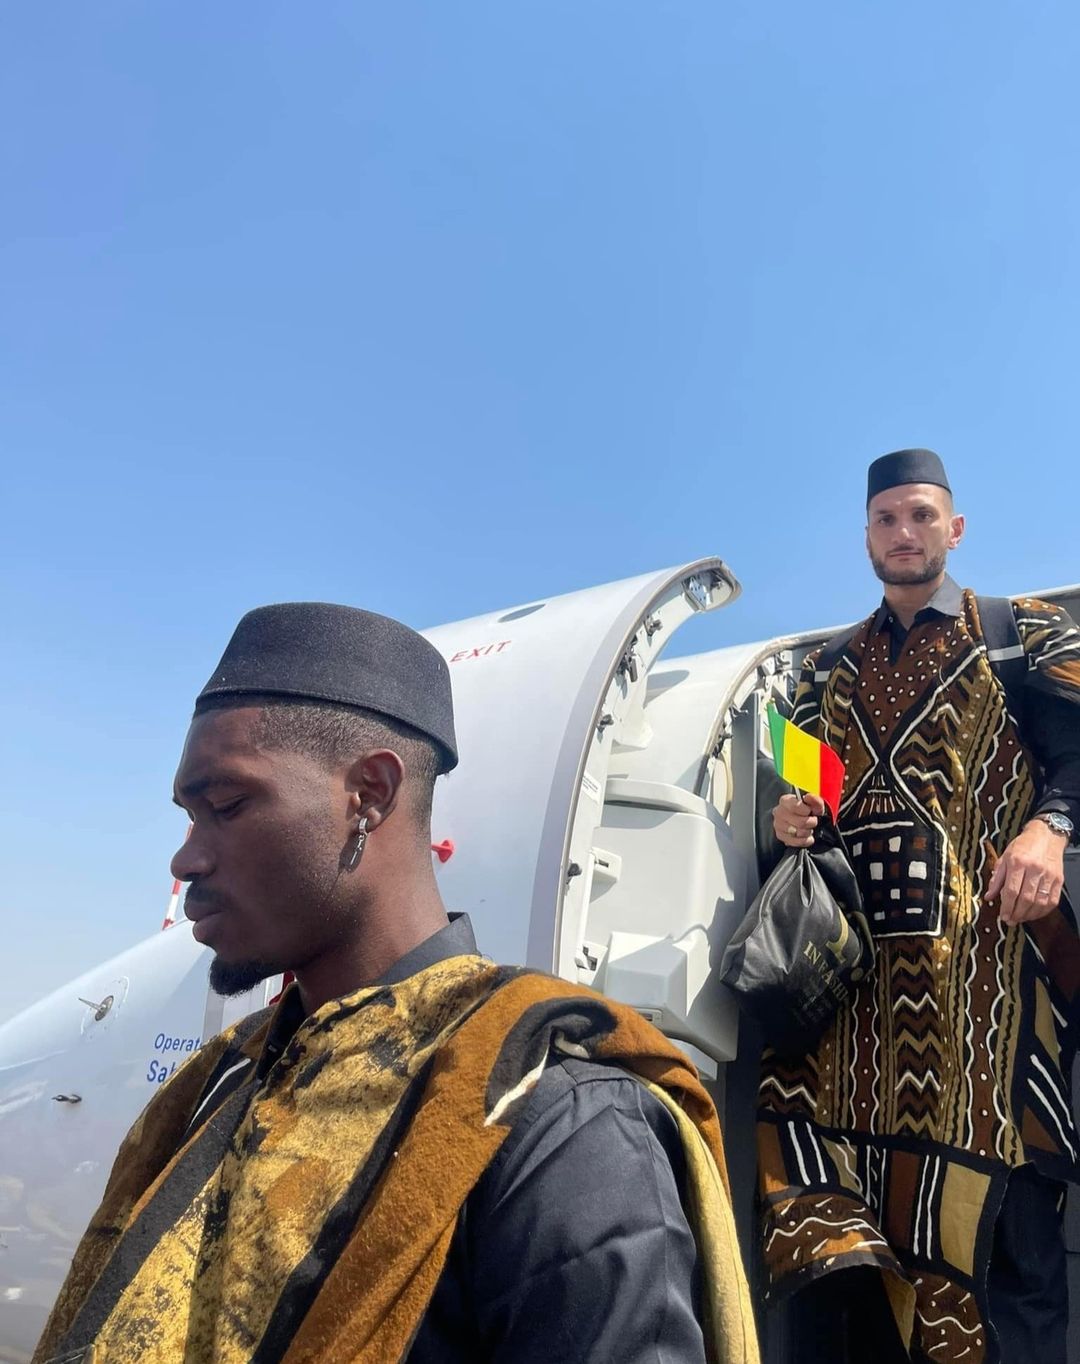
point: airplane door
(541, 694)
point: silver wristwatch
(1061, 824)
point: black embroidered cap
(905, 466)
(315, 651)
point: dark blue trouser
(1027, 1284)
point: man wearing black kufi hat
(917, 1158)
(417, 1154)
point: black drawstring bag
(803, 947)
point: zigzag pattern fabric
(308, 1220)
(891, 1144)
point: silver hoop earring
(358, 850)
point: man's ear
(373, 783)
(956, 531)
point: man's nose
(192, 858)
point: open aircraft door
(562, 857)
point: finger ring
(1043, 894)
(792, 831)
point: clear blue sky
(436, 307)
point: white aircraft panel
(71, 1084)
(528, 686)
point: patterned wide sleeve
(1051, 641)
(1051, 718)
(806, 706)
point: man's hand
(795, 819)
(1030, 874)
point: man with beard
(917, 1158)
(417, 1154)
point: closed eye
(230, 807)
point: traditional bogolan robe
(305, 1213)
(891, 1142)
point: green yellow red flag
(805, 762)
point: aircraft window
(521, 612)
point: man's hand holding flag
(814, 770)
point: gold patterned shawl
(309, 1219)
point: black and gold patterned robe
(890, 1144)
(309, 1218)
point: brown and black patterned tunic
(891, 1142)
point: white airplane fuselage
(602, 820)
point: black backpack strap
(1004, 648)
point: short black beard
(908, 577)
(237, 977)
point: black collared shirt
(948, 600)
(1049, 725)
(455, 940)
(574, 1247)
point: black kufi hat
(314, 651)
(905, 466)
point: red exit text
(482, 652)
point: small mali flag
(804, 762)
